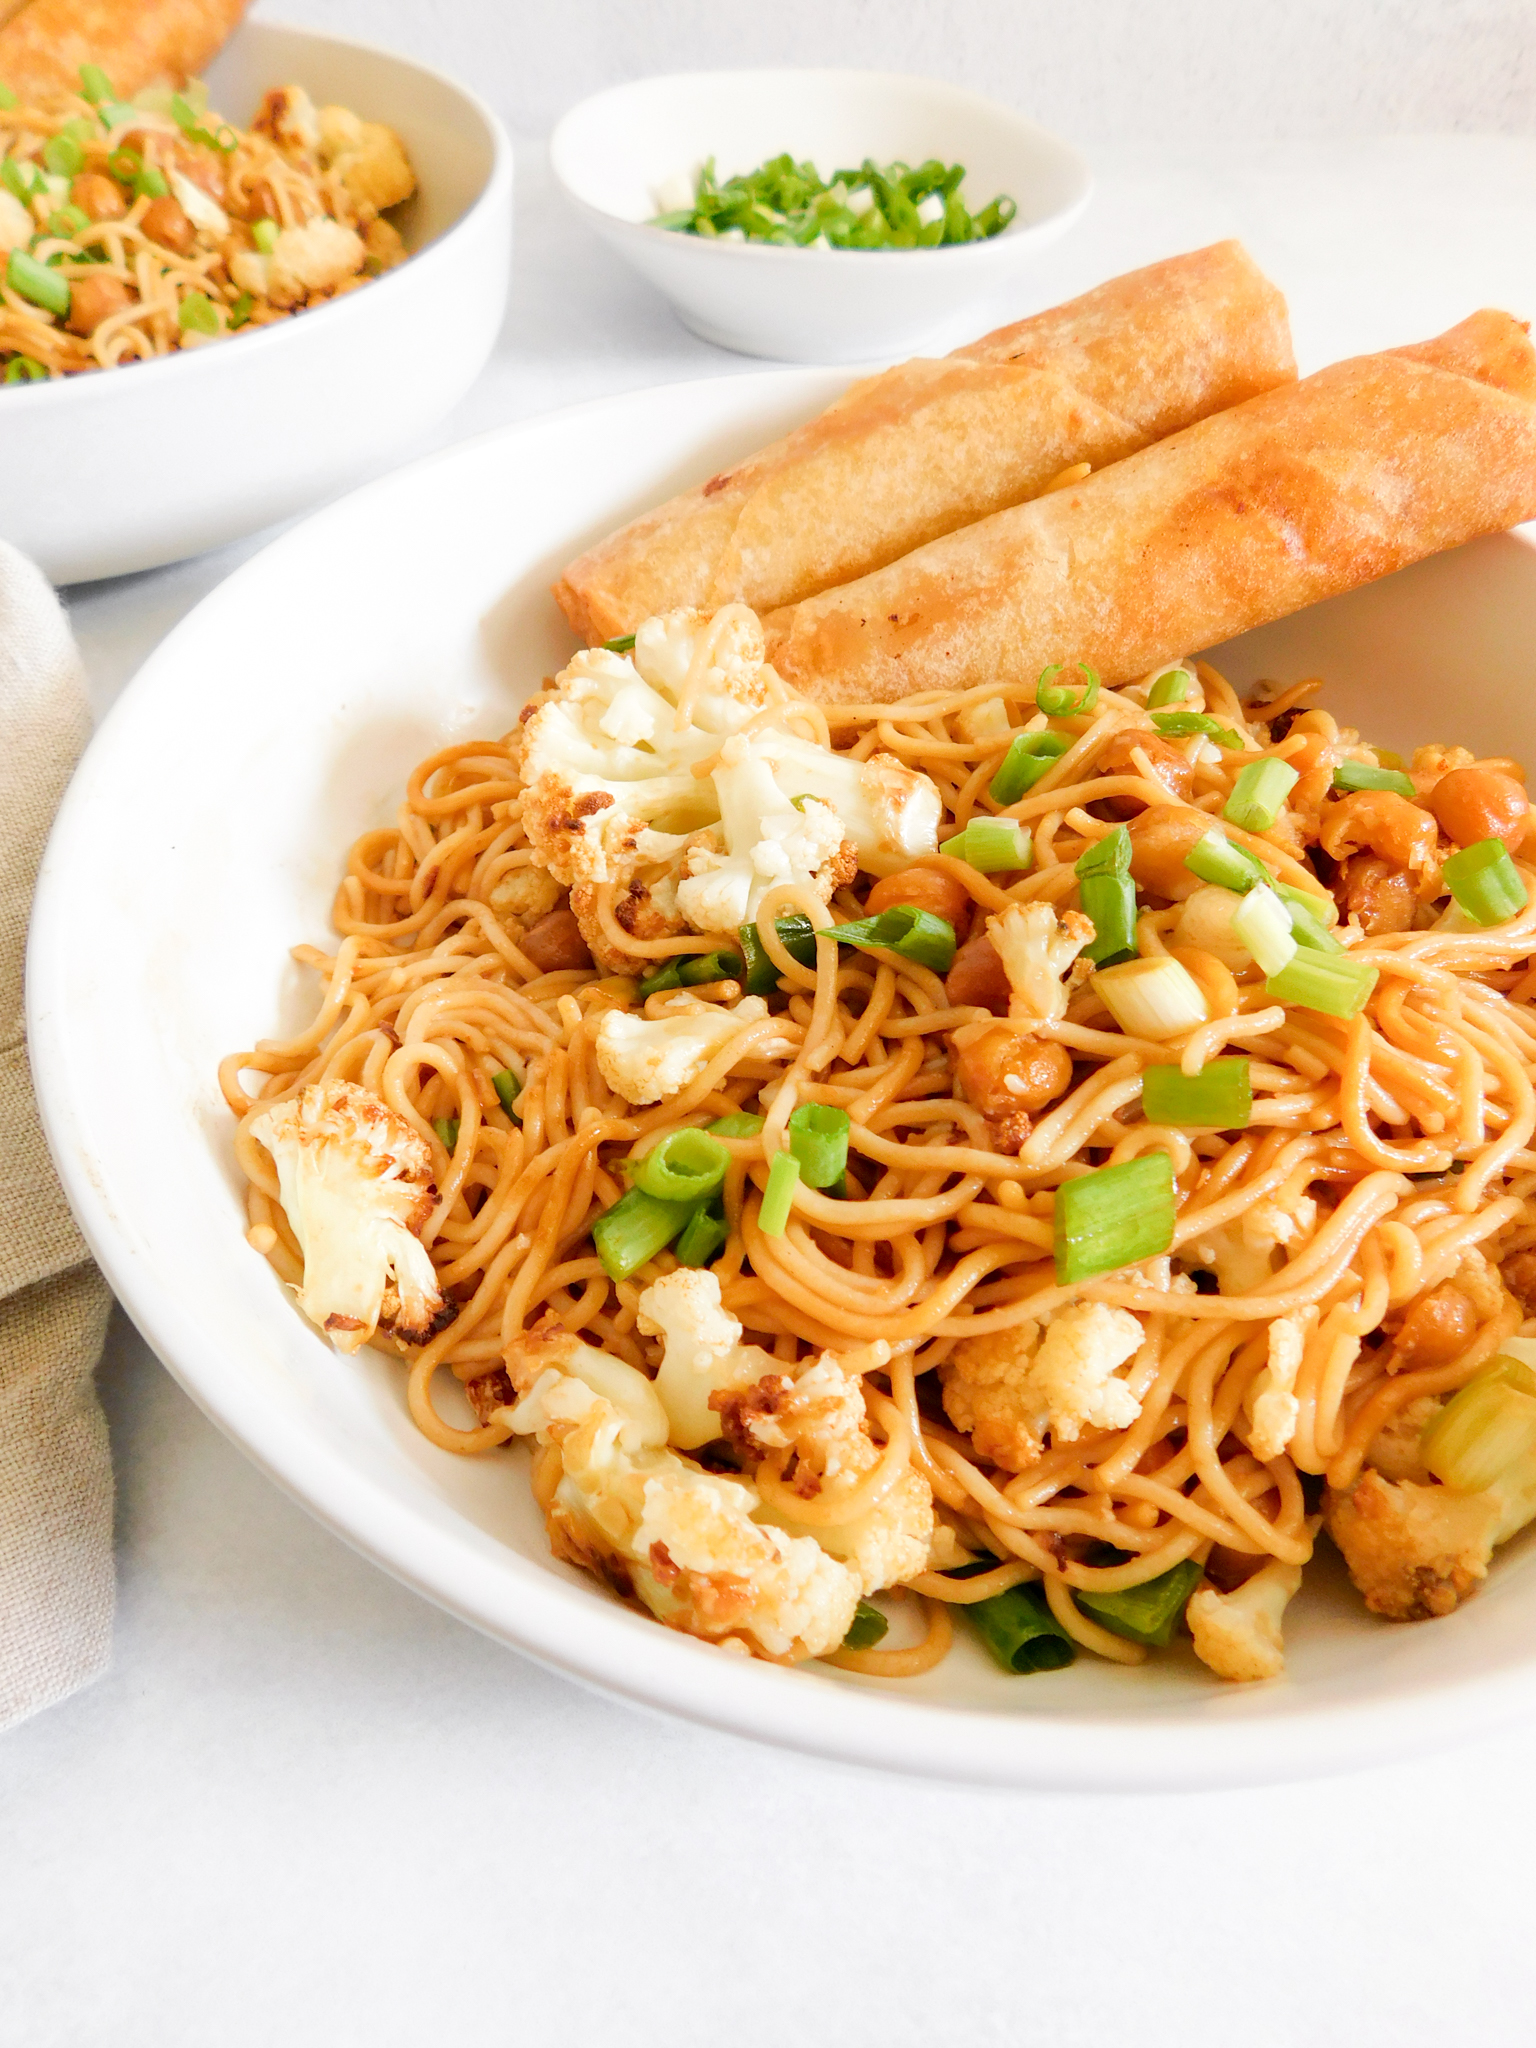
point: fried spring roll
(150, 42)
(1289, 498)
(933, 445)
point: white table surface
(306, 1808)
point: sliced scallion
(741, 1125)
(149, 183)
(1218, 1098)
(95, 84)
(1262, 923)
(867, 1628)
(447, 1128)
(1021, 1632)
(1331, 983)
(1029, 758)
(779, 1195)
(1155, 998)
(1179, 725)
(702, 1235)
(1363, 775)
(1484, 1429)
(1485, 882)
(818, 1138)
(991, 844)
(1171, 687)
(1110, 902)
(196, 314)
(1064, 700)
(635, 1229)
(1113, 1217)
(1310, 917)
(25, 370)
(508, 1088)
(690, 970)
(7, 97)
(241, 311)
(264, 234)
(21, 180)
(35, 281)
(914, 934)
(1148, 1613)
(622, 643)
(684, 1166)
(63, 156)
(1110, 855)
(1259, 793)
(797, 935)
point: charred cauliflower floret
(650, 1059)
(367, 158)
(1239, 1634)
(1037, 949)
(356, 1187)
(683, 1541)
(702, 1355)
(609, 757)
(314, 258)
(1009, 1389)
(521, 896)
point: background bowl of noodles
(146, 969)
(118, 470)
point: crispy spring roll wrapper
(932, 445)
(1289, 498)
(136, 42)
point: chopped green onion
(95, 84)
(241, 310)
(20, 179)
(7, 97)
(1361, 775)
(791, 205)
(797, 935)
(1171, 687)
(622, 643)
(990, 844)
(635, 1229)
(186, 117)
(1310, 917)
(818, 1138)
(690, 970)
(702, 1235)
(1330, 983)
(196, 314)
(1258, 794)
(1061, 700)
(1215, 859)
(779, 1195)
(1485, 882)
(149, 183)
(684, 1166)
(508, 1088)
(113, 113)
(264, 234)
(1484, 1429)
(1154, 998)
(1177, 725)
(1148, 1613)
(1020, 1630)
(63, 156)
(447, 1128)
(1262, 923)
(741, 1125)
(1027, 761)
(25, 370)
(1218, 1098)
(1113, 1217)
(867, 1628)
(35, 281)
(914, 934)
(68, 222)
(1110, 902)
(1110, 855)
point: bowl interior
(613, 150)
(281, 719)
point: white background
(305, 1808)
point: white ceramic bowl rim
(185, 362)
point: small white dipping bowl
(613, 151)
(125, 469)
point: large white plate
(203, 836)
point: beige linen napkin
(56, 1586)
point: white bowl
(239, 802)
(813, 305)
(126, 469)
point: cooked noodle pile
(1365, 1210)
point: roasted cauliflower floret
(314, 258)
(1239, 1634)
(367, 157)
(521, 896)
(287, 117)
(1009, 1389)
(649, 1059)
(356, 1187)
(702, 1356)
(1037, 949)
(1271, 1401)
(682, 1540)
(1414, 1551)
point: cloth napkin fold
(56, 1581)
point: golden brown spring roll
(1295, 496)
(136, 42)
(920, 450)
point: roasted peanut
(1377, 892)
(91, 299)
(979, 977)
(1381, 821)
(1002, 1073)
(98, 197)
(1438, 1328)
(1479, 803)
(556, 942)
(1159, 841)
(165, 221)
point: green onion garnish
(21, 180)
(1258, 794)
(264, 234)
(791, 205)
(241, 310)
(866, 1629)
(818, 1138)
(1148, 1613)
(25, 370)
(635, 1229)
(447, 1128)
(508, 1088)
(1154, 998)
(1114, 1217)
(149, 183)
(1262, 923)
(68, 222)
(95, 84)
(1215, 859)
(741, 1125)
(1021, 1632)
(1061, 700)
(1485, 882)
(797, 935)
(703, 1234)
(1484, 1429)
(1026, 762)
(63, 156)
(1307, 914)
(1330, 983)
(1110, 855)
(1108, 897)
(622, 644)
(1218, 1098)
(7, 97)
(1171, 687)
(1177, 725)
(914, 934)
(990, 844)
(779, 1195)
(1362, 775)
(35, 281)
(196, 314)
(684, 1166)
(691, 970)
(187, 119)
